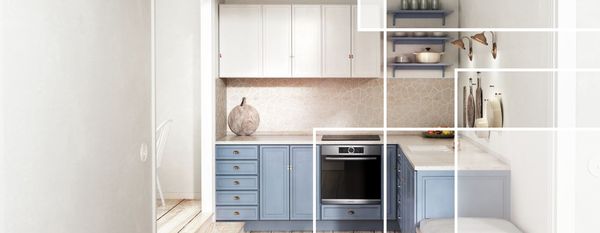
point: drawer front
(237, 198)
(237, 213)
(237, 167)
(237, 183)
(237, 152)
(349, 212)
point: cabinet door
(306, 41)
(337, 40)
(274, 183)
(240, 41)
(435, 194)
(277, 40)
(391, 182)
(301, 187)
(366, 51)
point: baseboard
(195, 196)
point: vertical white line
(314, 180)
(385, 112)
(456, 133)
(153, 107)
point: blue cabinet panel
(236, 167)
(435, 194)
(351, 212)
(237, 197)
(274, 179)
(391, 181)
(301, 186)
(236, 152)
(484, 194)
(236, 183)
(236, 213)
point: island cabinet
(424, 194)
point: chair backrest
(162, 132)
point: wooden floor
(178, 216)
(183, 216)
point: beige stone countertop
(282, 140)
(424, 154)
(427, 154)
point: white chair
(161, 139)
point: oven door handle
(351, 158)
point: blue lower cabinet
(237, 182)
(392, 153)
(274, 183)
(236, 213)
(351, 212)
(301, 195)
(423, 194)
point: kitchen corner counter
(428, 154)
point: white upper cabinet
(295, 40)
(306, 20)
(277, 40)
(337, 44)
(366, 51)
(240, 40)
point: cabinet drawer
(351, 212)
(237, 198)
(237, 182)
(237, 152)
(237, 213)
(237, 167)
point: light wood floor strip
(200, 224)
(178, 217)
(169, 205)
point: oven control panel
(351, 150)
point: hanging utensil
(471, 108)
(478, 98)
(464, 124)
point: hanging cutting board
(478, 100)
(471, 108)
(495, 113)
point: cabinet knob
(236, 213)
(236, 167)
(350, 212)
(236, 182)
(236, 152)
(236, 198)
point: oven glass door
(350, 179)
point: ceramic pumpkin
(243, 120)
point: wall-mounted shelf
(419, 66)
(421, 14)
(418, 40)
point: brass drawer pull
(236, 182)
(236, 167)
(350, 212)
(236, 213)
(236, 198)
(236, 152)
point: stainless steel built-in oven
(351, 174)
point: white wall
(76, 105)
(530, 156)
(527, 98)
(178, 95)
(506, 14)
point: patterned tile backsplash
(298, 105)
